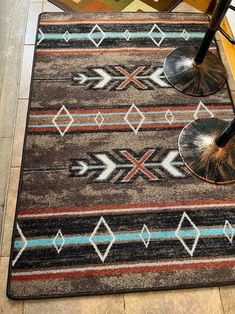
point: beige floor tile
(10, 212)
(218, 36)
(5, 152)
(35, 8)
(5, 20)
(113, 304)
(19, 132)
(192, 301)
(49, 7)
(26, 71)
(5, 26)
(231, 80)
(10, 79)
(228, 299)
(7, 306)
(233, 96)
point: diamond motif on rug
(59, 241)
(63, 120)
(96, 35)
(160, 35)
(127, 35)
(185, 35)
(67, 36)
(96, 238)
(182, 233)
(228, 231)
(203, 112)
(134, 118)
(99, 119)
(169, 116)
(145, 235)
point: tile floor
(14, 93)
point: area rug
(105, 203)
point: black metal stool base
(202, 156)
(192, 79)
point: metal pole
(196, 71)
(226, 135)
(217, 17)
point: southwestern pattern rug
(105, 203)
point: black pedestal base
(192, 79)
(201, 155)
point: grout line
(2, 137)
(124, 303)
(29, 44)
(27, 20)
(221, 301)
(43, 5)
(23, 308)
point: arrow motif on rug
(169, 164)
(127, 166)
(124, 78)
(24, 242)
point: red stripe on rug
(125, 206)
(129, 21)
(85, 51)
(107, 127)
(121, 270)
